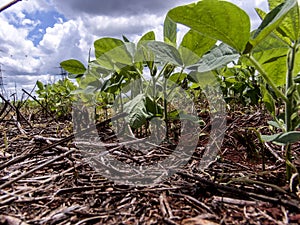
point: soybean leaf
(153, 109)
(204, 79)
(268, 138)
(40, 85)
(137, 111)
(216, 19)
(289, 27)
(275, 124)
(73, 66)
(106, 44)
(278, 32)
(272, 21)
(218, 57)
(149, 36)
(166, 53)
(143, 52)
(170, 31)
(117, 57)
(297, 64)
(177, 77)
(193, 46)
(286, 138)
(271, 54)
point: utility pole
(62, 73)
(2, 89)
(9, 5)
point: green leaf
(104, 45)
(274, 3)
(271, 54)
(166, 53)
(203, 79)
(268, 138)
(271, 21)
(219, 20)
(278, 32)
(117, 57)
(268, 100)
(194, 46)
(150, 36)
(40, 85)
(153, 109)
(289, 27)
(73, 66)
(137, 111)
(297, 64)
(170, 31)
(143, 53)
(217, 58)
(275, 124)
(283, 138)
(177, 77)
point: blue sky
(36, 35)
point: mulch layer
(45, 179)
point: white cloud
(14, 45)
(86, 22)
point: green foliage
(240, 85)
(272, 20)
(264, 63)
(141, 108)
(217, 58)
(170, 31)
(197, 44)
(119, 72)
(272, 49)
(57, 98)
(73, 66)
(219, 20)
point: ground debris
(54, 185)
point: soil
(45, 178)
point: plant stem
(289, 105)
(266, 78)
(166, 108)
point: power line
(9, 5)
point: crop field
(201, 130)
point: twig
(3, 109)
(16, 110)
(195, 203)
(109, 144)
(165, 206)
(36, 169)
(291, 203)
(46, 110)
(130, 191)
(246, 180)
(274, 153)
(66, 139)
(234, 201)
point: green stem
(166, 108)
(289, 105)
(289, 83)
(266, 78)
(165, 79)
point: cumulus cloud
(115, 8)
(74, 29)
